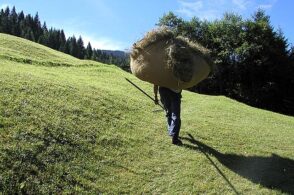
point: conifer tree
(73, 47)
(15, 30)
(1, 18)
(36, 27)
(89, 51)
(5, 23)
(62, 41)
(43, 39)
(80, 48)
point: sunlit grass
(84, 129)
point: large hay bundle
(165, 60)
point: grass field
(74, 126)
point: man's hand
(155, 89)
(156, 101)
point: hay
(179, 60)
(197, 49)
(178, 54)
(151, 37)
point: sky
(117, 24)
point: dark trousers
(172, 104)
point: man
(171, 100)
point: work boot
(176, 141)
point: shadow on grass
(273, 172)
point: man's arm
(155, 89)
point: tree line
(30, 27)
(253, 62)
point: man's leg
(175, 117)
(166, 101)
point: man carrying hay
(171, 100)
(171, 63)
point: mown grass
(84, 129)
(20, 50)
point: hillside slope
(73, 126)
(21, 50)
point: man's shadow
(274, 172)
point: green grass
(24, 51)
(74, 126)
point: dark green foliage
(80, 48)
(62, 41)
(73, 49)
(253, 64)
(29, 27)
(172, 21)
(89, 51)
(5, 20)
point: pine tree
(66, 47)
(20, 17)
(80, 48)
(62, 41)
(15, 30)
(89, 51)
(29, 35)
(5, 22)
(37, 28)
(1, 18)
(43, 39)
(73, 47)
(94, 55)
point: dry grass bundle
(197, 49)
(151, 37)
(178, 51)
(179, 60)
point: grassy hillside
(73, 126)
(21, 50)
